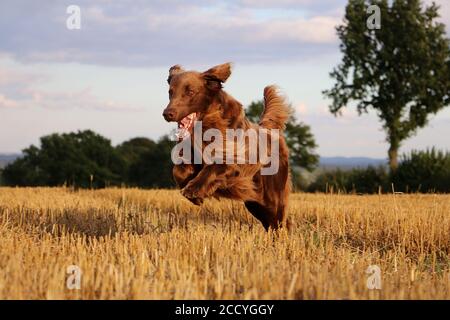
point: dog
(199, 96)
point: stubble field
(136, 244)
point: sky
(110, 75)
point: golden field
(136, 244)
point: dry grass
(134, 244)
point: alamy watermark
(373, 22)
(73, 22)
(74, 279)
(238, 146)
(374, 279)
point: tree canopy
(88, 160)
(148, 163)
(83, 159)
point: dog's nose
(169, 115)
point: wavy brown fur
(276, 111)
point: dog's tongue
(187, 121)
(185, 125)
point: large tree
(298, 136)
(400, 70)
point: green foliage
(70, 159)
(358, 180)
(133, 149)
(402, 70)
(418, 171)
(254, 111)
(423, 171)
(298, 136)
(148, 164)
(132, 152)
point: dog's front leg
(206, 182)
(183, 173)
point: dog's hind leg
(269, 217)
(281, 217)
(260, 212)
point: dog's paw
(190, 194)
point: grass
(136, 244)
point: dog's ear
(217, 75)
(173, 71)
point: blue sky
(110, 76)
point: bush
(425, 171)
(358, 180)
(418, 171)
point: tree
(148, 164)
(424, 171)
(83, 159)
(402, 70)
(298, 136)
(131, 152)
(155, 168)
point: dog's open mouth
(185, 125)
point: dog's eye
(170, 93)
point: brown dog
(199, 96)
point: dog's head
(190, 92)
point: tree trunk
(393, 157)
(393, 137)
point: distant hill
(7, 158)
(349, 162)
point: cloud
(7, 103)
(10, 77)
(310, 7)
(317, 30)
(81, 99)
(22, 90)
(155, 33)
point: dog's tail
(276, 110)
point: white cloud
(7, 103)
(8, 77)
(22, 90)
(315, 30)
(82, 99)
(156, 33)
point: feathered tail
(276, 111)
